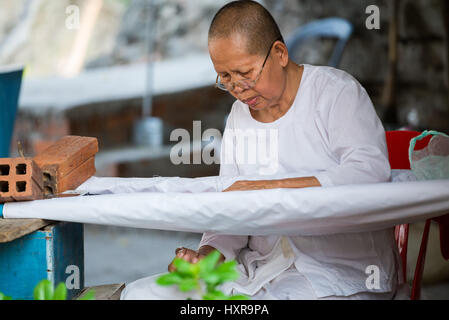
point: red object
(398, 144)
(67, 163)
(20, 180)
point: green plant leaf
(89, 295)
(195, 270)
(188, 284)
(226, 271)
(207, 271)
(239, 297)
(43, 290)
(227, 266)
(49, 290)
(3, 297)
(215, 295)
(209, 262)
(39, 292)
(169, 279)
(228, 276)
(211, 278)
(183, 266)
(60, 292)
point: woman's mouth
(251, 101)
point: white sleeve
(356, 139)
(228, 245)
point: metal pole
(149, 45)
(149, 130)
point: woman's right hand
(192, 256)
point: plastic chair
(10, 82)
(325, 28)
(398, 144)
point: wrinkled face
(232, 62)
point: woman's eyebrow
(236, 70)
(240, 71)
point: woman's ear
(281, 52)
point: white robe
(333, 132)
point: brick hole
(47, 177)
(4, 186)
(4, 170)
(48, 191)
(21, 168)
(21, 186)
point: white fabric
(289, 285)
(304, 212)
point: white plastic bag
(432, 162)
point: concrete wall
(422, 92)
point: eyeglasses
(242, 83)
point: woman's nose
(237, 89)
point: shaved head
(248, 19)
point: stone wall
(34, 33)
(422, 92)
(422, 97)
(181, 28)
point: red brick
(20, 180)
(39, 146)
(73, 179)
(67, 163)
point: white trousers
(289, 285)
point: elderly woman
(326, 126)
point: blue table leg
(55, 252)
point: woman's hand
(192, 256)
(253, 185)
(188, 255)
(302, 182)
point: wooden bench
(12, 229)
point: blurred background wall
(112, 32)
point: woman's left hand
(252, 185)
(300, 182)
